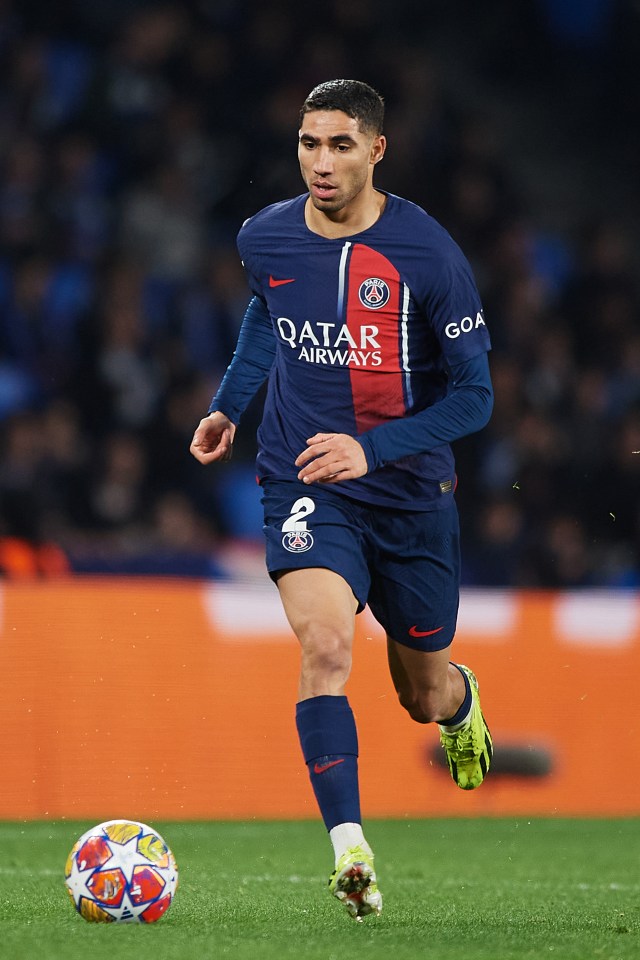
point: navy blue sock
(464, 707)
(329, 741)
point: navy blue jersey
(367, 328)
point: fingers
(222, 454)
(210, 445)
(321, 471)
(314, 449)
(204, 454)
(331, 458)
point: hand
(330, 458)
(213, 439)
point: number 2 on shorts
(296, 521)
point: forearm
(251, 363)
(239, 385)
(465, 410)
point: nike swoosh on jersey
(414, 632)
(278, 283)
(321, 767)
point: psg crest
(297, 541)
(374, 293)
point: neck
(352, 219)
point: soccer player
(366, 320)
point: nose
(322, 162)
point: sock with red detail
(329, 741)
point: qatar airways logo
(466, 325)
(332, 343)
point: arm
(249, 368)
(251, 363)
(467, 408)
(464, 410)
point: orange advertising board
(167, 699)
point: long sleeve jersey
(380, 335)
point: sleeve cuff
(373, 461)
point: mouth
(323, 190)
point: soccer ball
(121, 871)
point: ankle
(345, 836)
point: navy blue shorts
(405, 564)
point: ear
(378, 147)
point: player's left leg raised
(466, 740)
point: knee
(326, 655)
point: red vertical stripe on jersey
(377, 389)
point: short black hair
(353, 97)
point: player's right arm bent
(251, 364)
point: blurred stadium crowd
(134, 140)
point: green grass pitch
(487, 889)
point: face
(336, 158)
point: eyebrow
(337, 138)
